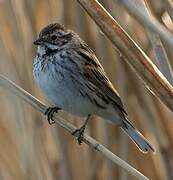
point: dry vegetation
(32, 149)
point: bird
(72, 78)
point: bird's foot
(49, 113)
(79, 133)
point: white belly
(73, 95)
(62, 92)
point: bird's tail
(137, 137)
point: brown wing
(94, 73)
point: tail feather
(137, 137)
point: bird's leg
(49, 113)
(80, 132)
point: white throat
(41, 50)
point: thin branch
(39, 106)
(169, 7)
(135, 57)
(161, 59)
(152, 23)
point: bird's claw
(79, 133)
(49, 113)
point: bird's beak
(38, 41)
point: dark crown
(51, 28)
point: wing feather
(94, 72)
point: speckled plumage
(72, 78)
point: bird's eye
(53, 37)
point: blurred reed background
(32, 149)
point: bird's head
(54, 36)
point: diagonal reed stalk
(134, 56)
(161, 58)
(39, 106)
